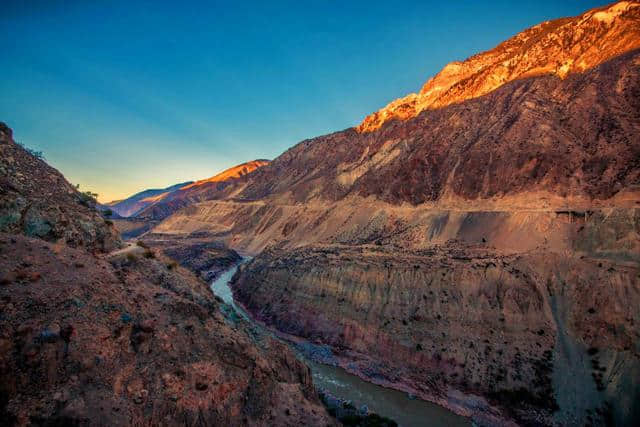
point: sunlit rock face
(535, 142)
(557, 47)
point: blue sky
(127, 95)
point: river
(383, 401)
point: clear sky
(126, 95)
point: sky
(127, 95)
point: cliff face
(559, 47)
(124, 338)
(545, 337)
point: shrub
(131, 257)
(34, 153)
(149, 254)
(142, 244)
(88, 198)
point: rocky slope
(200, 253)
(36, 200)
(223, 185)
(553, 141)
(125, 338)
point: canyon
(478, 245)
(475, 245)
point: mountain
(223, 185)
(90, 335)
(559, 47)
(476, 244)
(158, 203)
(527, 134)
(134, 204)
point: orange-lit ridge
(231, 173)
(557, 47)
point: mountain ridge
(557, 47)
(136, 204)
(575, 138)
(221, 185)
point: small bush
(34, 153)
(131, 257)
(172, 265)
(142, 244)
(149, 254)
(108, 222)
(88, 198)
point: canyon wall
(546, 336)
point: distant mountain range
(134, 204)
(157, 203)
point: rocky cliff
(545, 337)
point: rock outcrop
(201, 254)
(37, 201)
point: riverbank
(400, 406)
